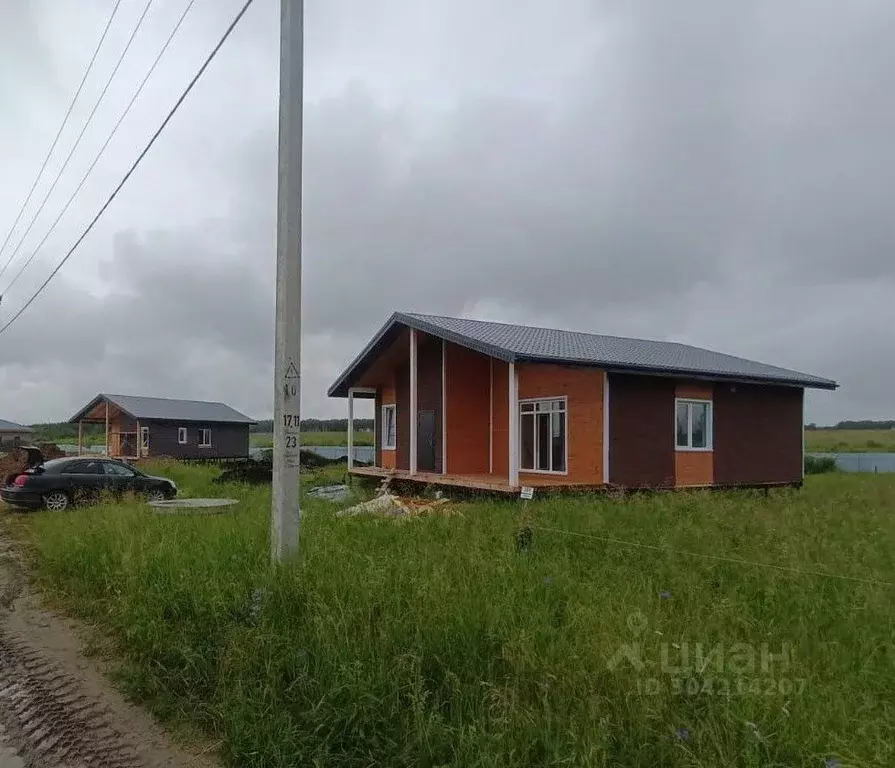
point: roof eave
(826, 384)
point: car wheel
(57, 501)
(156, 494)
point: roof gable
(519, 343)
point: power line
(720, 558)
(61, 128)
(136, 163)
(80, 136)
(102, 148)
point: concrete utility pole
(285, 513)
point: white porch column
(513, 454)
(413, 403)
(443, 407)
(605, 427)
(80, 432)
(490, 415)
(351, 428)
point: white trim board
(443, 407)
(605, 426)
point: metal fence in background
(861, 462)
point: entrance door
(425, 441)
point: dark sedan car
(57, 483)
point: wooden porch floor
(481, 482)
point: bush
(818, 465)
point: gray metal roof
(11, 426)
(165, 409)
(521, 343)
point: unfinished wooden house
(141, 427)
(498, 407)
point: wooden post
(413, 402)
(139, 441)
(350, 429)
(80, 432)
(513, 478)
(443, 407)
(107, 428)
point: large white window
(204, 438)
(389, 427)
(543, 437)
(693, 425)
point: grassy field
(453, 640)
(850, 440)
(265, 440)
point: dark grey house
(141, 427)
(12, 434)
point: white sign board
(527, 493)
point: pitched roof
(163, 408)
(522, 343)
(11, 426)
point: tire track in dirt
(50, 719)
(54, 709)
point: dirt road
(56, 707)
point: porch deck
(482, 482)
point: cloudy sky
(712, 172)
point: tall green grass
(265, 439)
(456, 641)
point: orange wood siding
(500, 419)
(467, 391)
(694, 468)
(696, 390)
(584, 420)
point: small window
(144, 438)
(204, 438)
(389, 427)
(543, 440)
(181, 435)
(693, 425)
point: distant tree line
(863, 424)
(318, 425)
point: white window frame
(144, 438)
(384, 428)
(204, 432)
(181, 435)
(709, 424)
(565, 410)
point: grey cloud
(713, 172)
